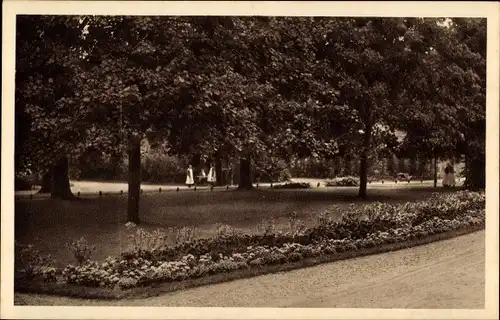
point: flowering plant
(369, 226)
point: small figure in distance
(189, 176)
(449, 177)
(211, 178)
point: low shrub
(366, 227)
(293, 185)
(297, 227)
(269, 169)
(189, 266)
(356, 222)
(224, 230)
(157, 166)
(31, 264)
(343, 182)
(323, 219)
(143, 240)
(81, 250)
(266, 227)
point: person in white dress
(451, 177)
(203, 176)
(446, 176)
(211, 179)
(189, 176)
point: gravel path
(93, 187)
(446, 274)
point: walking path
(92, 188)
(447, 274)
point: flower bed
(293, 185)
(343, 182)
(368, 227)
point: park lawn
(50, 224)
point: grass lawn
(49, 224)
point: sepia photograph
(257, 160)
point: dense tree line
(247, 89)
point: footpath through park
(95, 189)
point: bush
(323, 219)
(355, 224)
(343, 182)
(297, 227)
(184, 234)
(127, 283)
(30, 263)
(293, 185)
(49, 274)
(369, 226)
(156, 166)
(315, 168)
(81, 250)
(270, 169)
(224, 230)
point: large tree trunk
(475, 157)
(245, 173)
(413, 168)
(475, 174)
(46, 182)
(394, 165)
(60, 186)
(218, 170)
(338, 166)
(363, 162)
(435, 172)
(134, 179)
(401, 164)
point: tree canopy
(250, 87)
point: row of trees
(247, 88)
(157, 166)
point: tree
(141, 64)
(368, 59)
(45, 124)
(448, 114)
(92, 88)
(257, 93)
(413, 166)
(414, 75)
(471, 58)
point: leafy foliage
(45, 120)
(30, 263)
(343, 182)
(251, 87)
(293, 185)
(449, 106)
(374, 225)
(81, 250)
